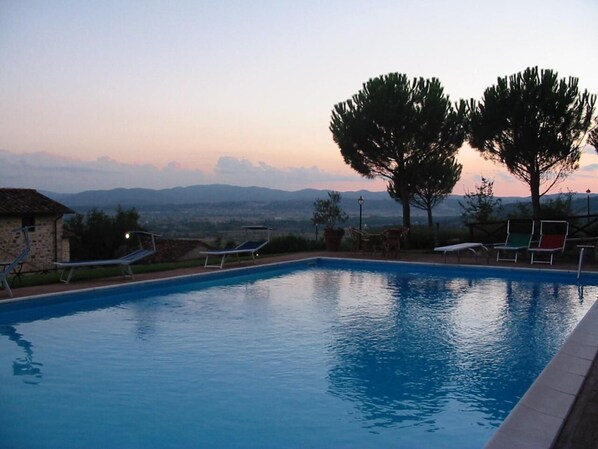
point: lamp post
(588, 192)
(360, 201)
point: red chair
(553, 237)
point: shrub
(99, 235)
(291, 244)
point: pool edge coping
(133, 283)
(216, 272)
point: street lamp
(360, 201)
(153, 236)
(588, 192)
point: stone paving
(581, 427)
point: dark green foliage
(290, 244)
(329, 212)
(393, 123)
(534, 124)
(522, 210)
(422, 237)
(98, 235)
(559, 207)
(593, 139)
(481, 206)
(447, 235)
(429, 182)
(555, 208)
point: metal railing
(581, 228)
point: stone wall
(45, 247)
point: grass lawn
(80, 274)
(51, 277)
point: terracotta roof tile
(29, 201)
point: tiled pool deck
(559, 411)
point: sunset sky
(104, 94)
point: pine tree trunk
(405, 202)
(535, 194)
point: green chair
(519, 238)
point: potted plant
(329, 213)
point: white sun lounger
(12, 265)
(247, 247)
(457, 248)
(124, 263)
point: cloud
(230, 170)
(589, 168)
(45, 171)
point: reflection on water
(395, 366)
(144, 316)
(477, 343)
(23, 366)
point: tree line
(408, 133)
(98, 235)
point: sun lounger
(553, 236)
(250, 247)
(457, 248)
(519, 238)
(124, 263)
(14, 264)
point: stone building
(44, 216)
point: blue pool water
(334, 355)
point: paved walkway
(581, 428)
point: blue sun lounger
(124, 263)
(11, 266)
(250, 247)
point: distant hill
(198, 194)
(227, 200)
(222, 200)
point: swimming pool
(326, 354)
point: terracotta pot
(333, 238)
